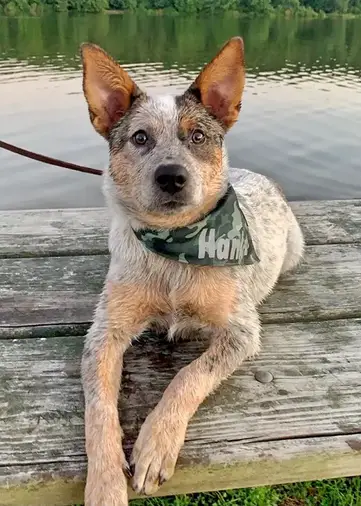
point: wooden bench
(303, 424)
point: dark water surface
(301, 116)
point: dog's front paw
(156, 451)
(107, 487)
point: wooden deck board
(314, 396)
(52, 483)
(305, 424)
(84, 231)
(64, 290)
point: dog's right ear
(108, 89)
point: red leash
(48, 159)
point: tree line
(176, 7)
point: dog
(190, 253)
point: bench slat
(64, 290)
(305, 424)
(84, 231)
(248, 466)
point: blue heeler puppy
(195, 248)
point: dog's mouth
(173, 204)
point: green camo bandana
(221, 238)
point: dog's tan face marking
(146, 133)
(209, 154)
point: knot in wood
(263, 376)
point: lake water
(301, 115)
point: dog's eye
(140, 138)
(198, 137)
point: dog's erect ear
(220, 84)
(108, 89)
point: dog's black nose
(171, 178)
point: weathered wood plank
(330, 222)
(53, 232)
(49, 331)
(61, 483)
(64, 290)
(305, 424)
(316, 388)
(84, 231)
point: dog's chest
(208, 295)
(156, 288)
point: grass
(340, 492)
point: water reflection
(300, 120)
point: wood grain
(64, 290)
(84, 231)
(330, 222)
(53, 232)
(61, 483)
(305, 424)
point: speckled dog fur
(143, 289)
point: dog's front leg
(121, 315)
(162, 435)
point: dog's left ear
(108, 88)
(220, 84)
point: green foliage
(293, 5)
(123, 5)
(22, 7)
(308, 12)
(159, 4)
(35, 7)
(257, 6)
(303, 8)
(342, 6)
(61, 5)
(355, 6)
(10, 9)
(342, 492)
(87, 5)
(185, 6)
